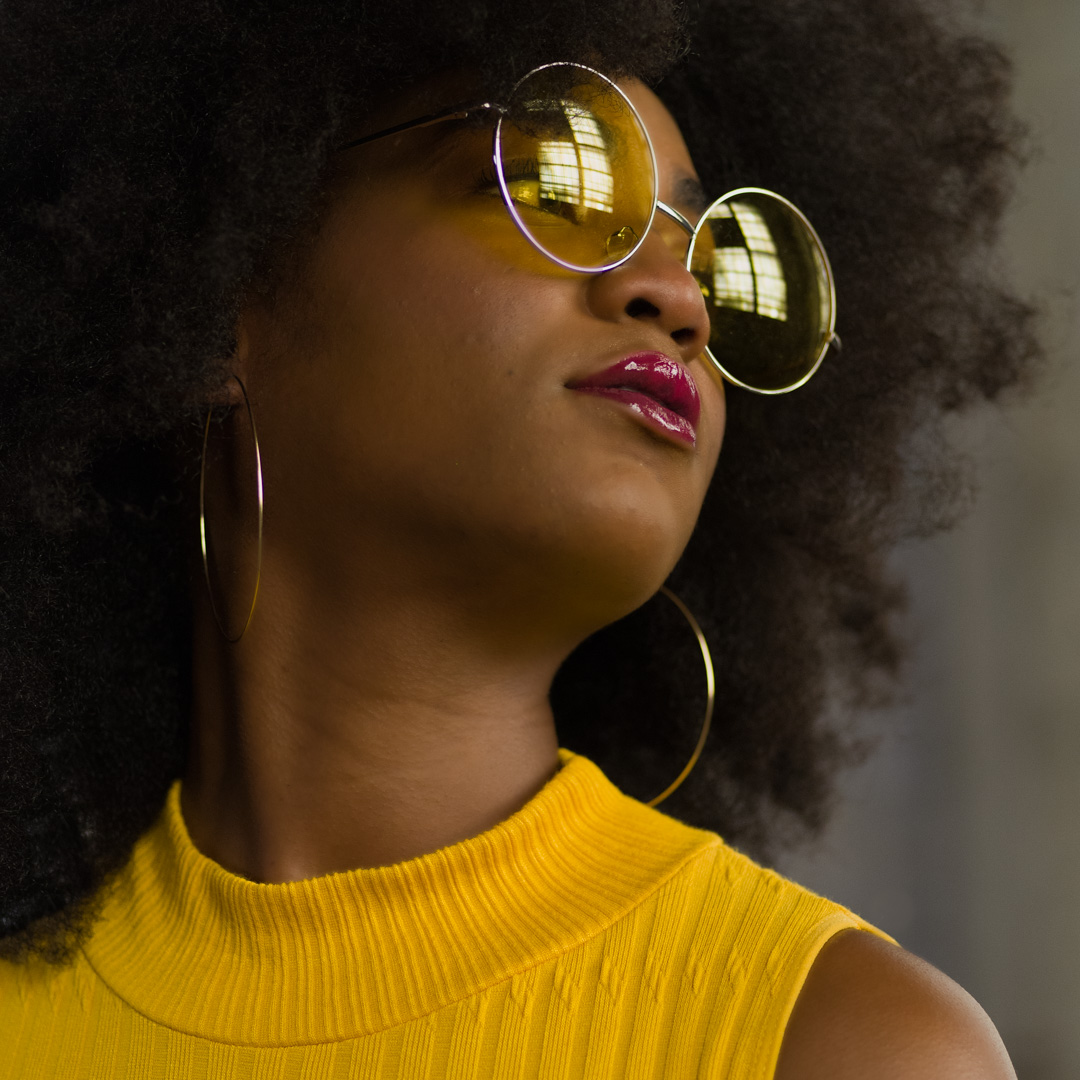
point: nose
(654, 287)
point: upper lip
(653, 374)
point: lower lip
(654, 415)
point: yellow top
(585, 936)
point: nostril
(640, 308)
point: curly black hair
(158, 159)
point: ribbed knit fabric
(587, 936)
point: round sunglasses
(577, 172)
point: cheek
(426, 365)
(436, 342)
(445, 301)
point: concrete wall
(961, 837)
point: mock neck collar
(352, 953)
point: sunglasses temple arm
(454, 112)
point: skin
(445, 521)
(872, 1011)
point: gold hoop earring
(710, 682)
(202, 518)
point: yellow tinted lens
(578, 168)
(768, 289)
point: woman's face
(412, 385)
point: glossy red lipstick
(655, 388)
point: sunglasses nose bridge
(675, 216)
(678, 243)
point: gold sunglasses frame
(463, 110)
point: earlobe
(228, 393)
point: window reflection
(747, 275)
(577, 170)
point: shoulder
(868, 1008)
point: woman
(340, 407)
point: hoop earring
(710, 682)
(202, 518)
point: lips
(657, 389)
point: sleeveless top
(587, 936)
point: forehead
(679, 183)
(665, 134)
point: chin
(588, 548)
(606, 567)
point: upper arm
(871, 1010)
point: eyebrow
(689, 193)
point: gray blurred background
(961, 836)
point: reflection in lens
(767, 286)
(578, 167)
(747, 275)
(577, 171)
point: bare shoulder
(870, 1009)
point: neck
(326, 740)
